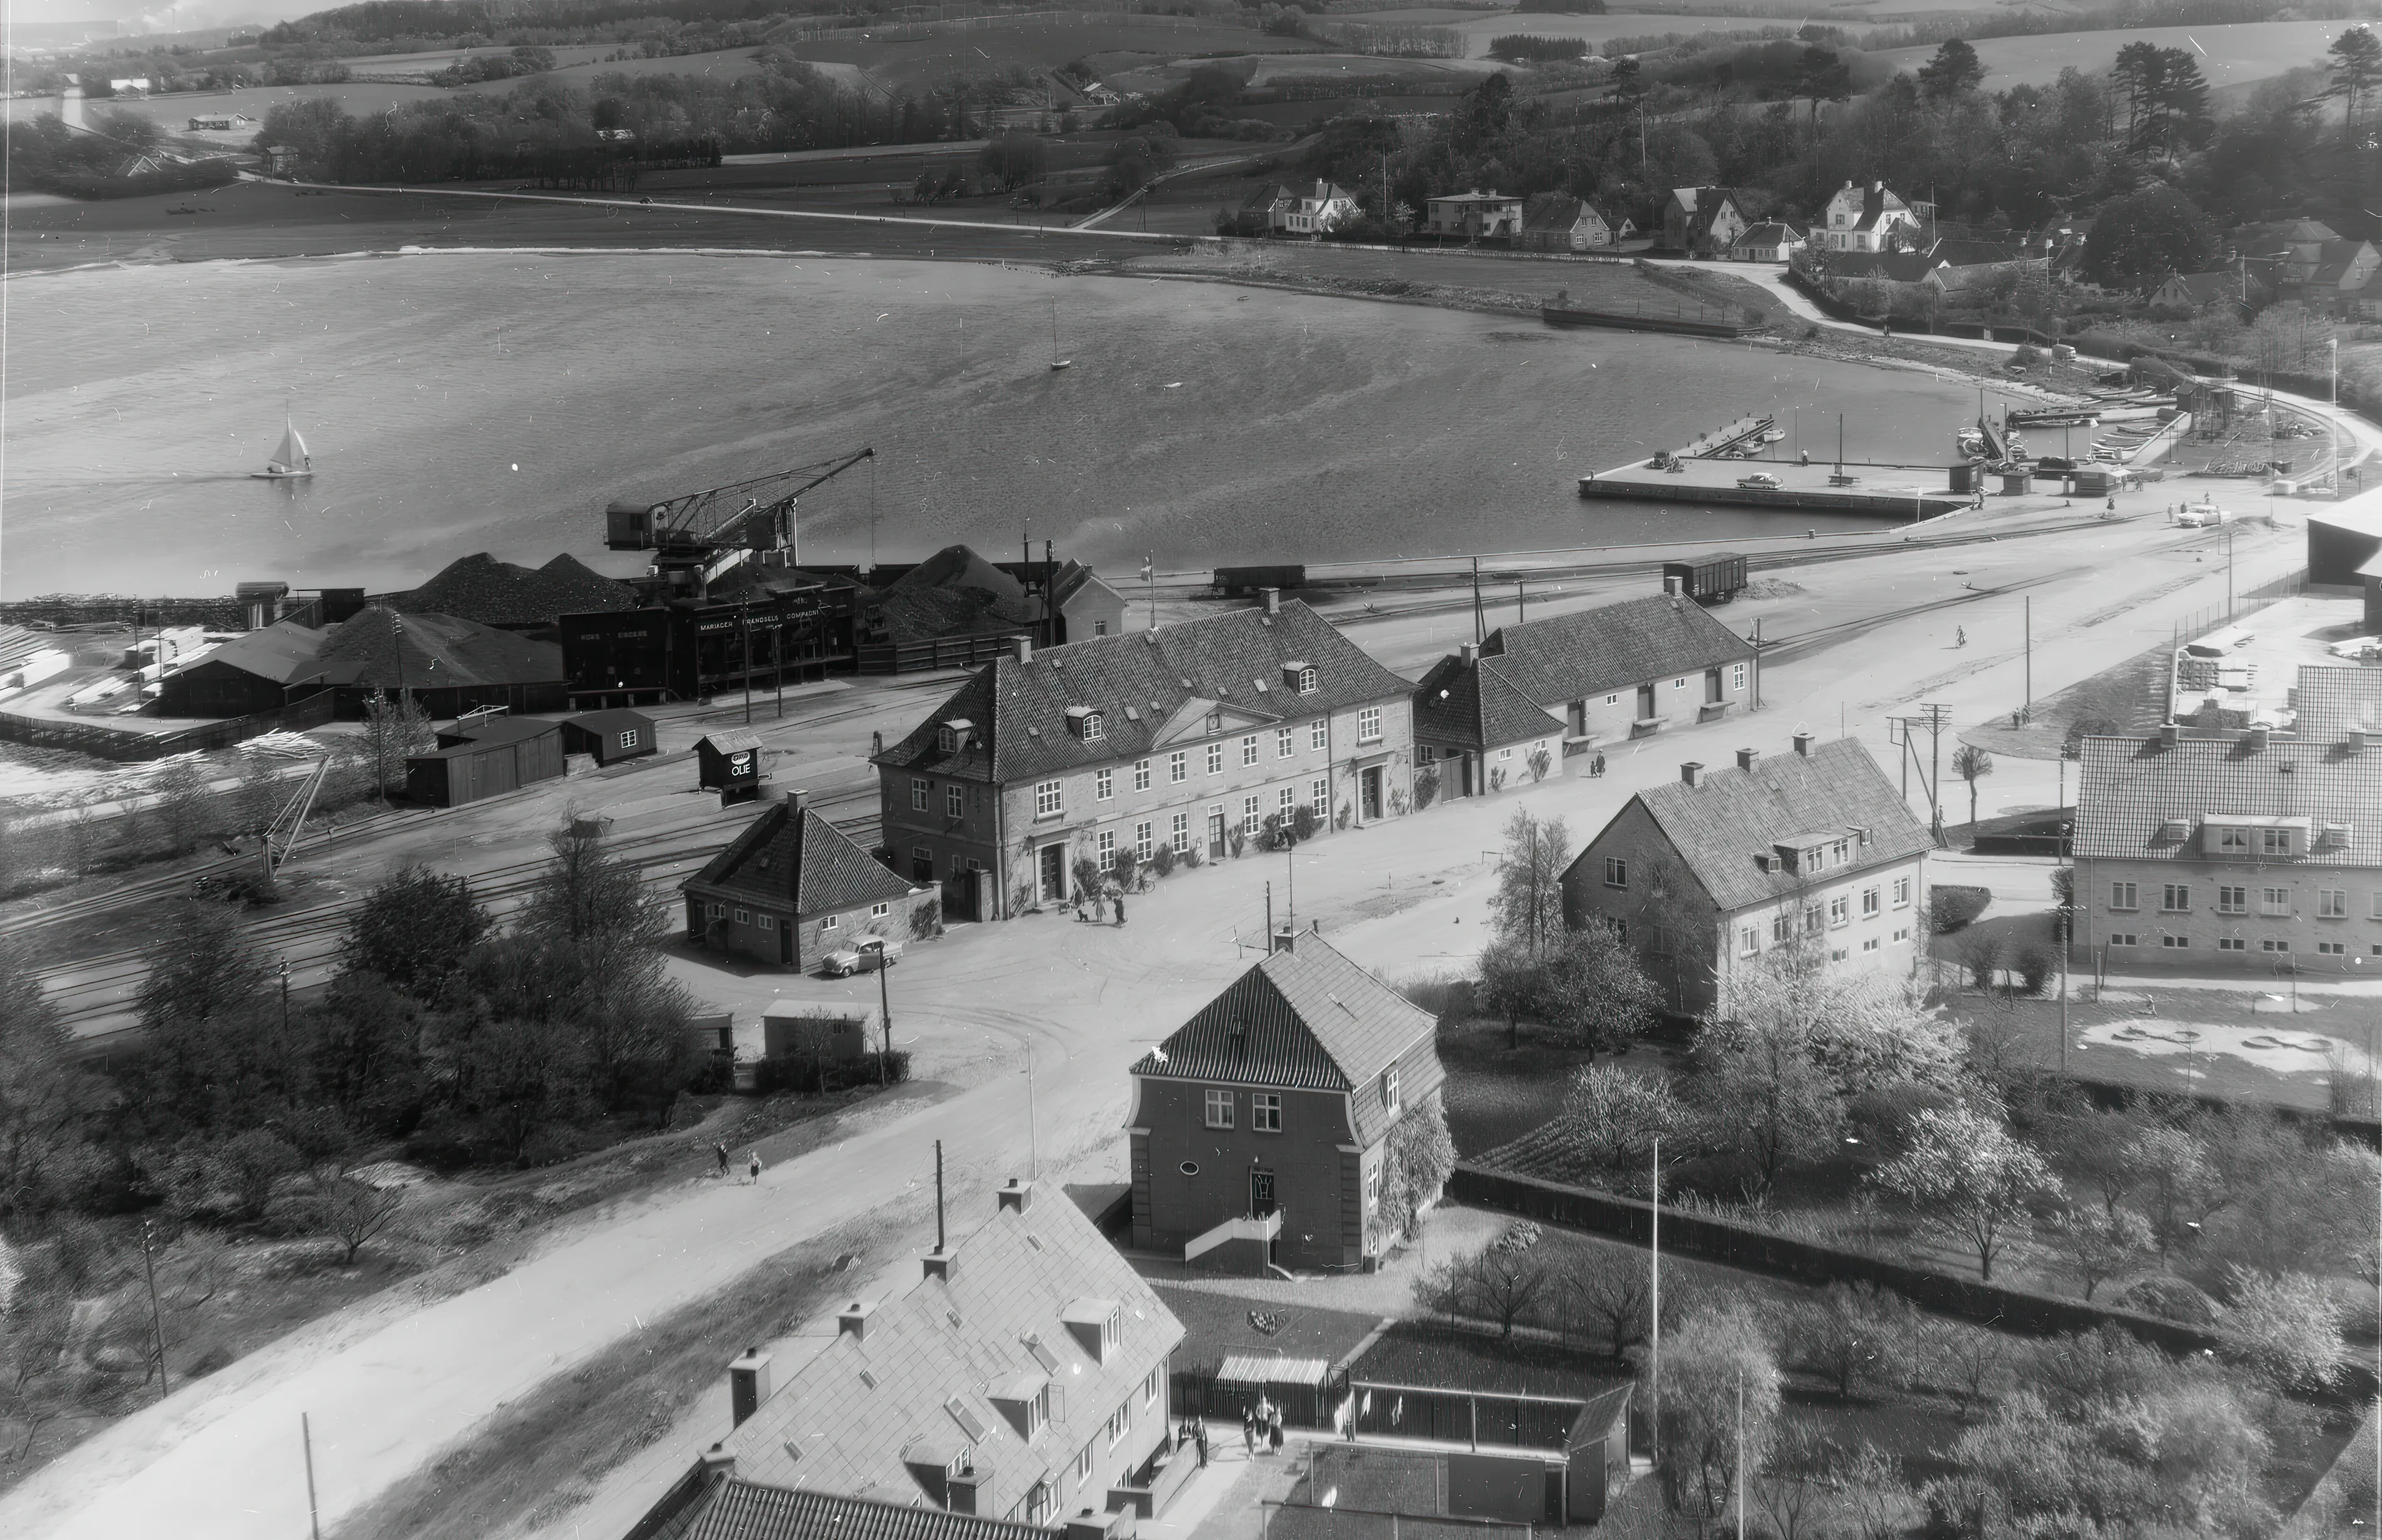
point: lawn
(2230, 56)
(1215, 1326)
(1432, 1353)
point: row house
(2256, 852)
(1173, 737)
(1711, 876)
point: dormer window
(1087, 724)
(1098, 1326)
(1024, 1401)
(946, 741)
(1299, 676)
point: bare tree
(352, 1210)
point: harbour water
(496, 401)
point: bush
(1426, 786)
(2171, 1297)
(808, 1077)
(1983, 962)
(1236, 838)
(2035, 967)
(1193, 859)
(2026, 354)
(1162, 859)
(1950, 907)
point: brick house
(1709, 874)
(792, 888)
(1772, 240)
(1023, 1376)
(1596, 676)
(2252, 852)
(1267, 1116)
(1171, 737)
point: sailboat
(1056, 362)
(289, 460)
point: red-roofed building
(792, 888)
(1261, 1127)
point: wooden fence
(1465, 1416)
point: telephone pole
(1478, 634)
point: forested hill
(375, 21)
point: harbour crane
(705, 534)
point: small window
(2177, 899)
(1141, 775)
(1285, 742)
(2183, 943)
(2233, 842)
(1612, 700)
(1840, 852)
(1120, 1423)
(2124, 896)
(1368, 725)
(1318, 733)
(1150, 1386)
(946, 741)
(1104, 785)
(2272, 945)
(743, 916)
(1319, 795)
(1144, 840)
(2121, 938)
(1250, 748)
(768, 922)
(1870, 903)
(1390, 1089)
(917, 797)
(1038, 1502)
(1616, 871)
(1782, 927)
(1870, 945)
(1083, 1465)
(1100, 628)
(1178, 767)
(716, 911)
(1748, 941)
(1307, 682)
(1095, 727)
(2331, 949)
(1107, 846)
(1506, 752)
(1046, 800)
(1180, 835)
(1219, 1109)
(2332, 904)
(879, 911)
(1840, 910)
(631, 737)
(1215, 759)
(2274, 842)
(1737, 677)
(830, 923)
(1265, 1112)
(955, 801)
(2233, 900)
(1902, 893)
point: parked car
(1761, 481)
(868, 953)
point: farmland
(1110, 46)
(2230, 56)
(1478, 30)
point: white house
(1867, 219)
(1474, 215)
(1318, 210)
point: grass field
(1110, 46)
(2235, 56)
(1479, 31)
(1217, 1325)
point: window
(1902, 893)
(1249, 749)
(1141, 775)
(768, 922)
(2274, 842)
(1046, 800)
(1265, 1112)
(1215, 759)
(1373, 1190)
(1902, 935)
(830, 923)
(1104, 784)
(1178, 767)
(917, 797)
(1100, 628)
(1181, 837)
(2232, 901)
(1840, 852)
(1095, 727)
(1748, 941)
(1120, 1422)
(946, 741)
(1145, 840)
(2378, 905)
(1284, 743)
(1150, 1386)
(1840, 910)
(1612, 700)
(1318, 733)
(1038, 1501)
(2332, 904)
(1219, 1109)
(743, 916)
(1107, 846)
(1390, 1089)
(880, 910)
(630, 737)
(2176, 943)
(2273, 901)
(2331, 949)
(1505, 753)
(2121, 938)
(1083, 1465)
(2233, 842)
(2231, 944)
(2124, 895)
(1838, 954)
(1289, 803)
(1249, 818)
(1870, 905)
(1870, 945)
(1307, 682)
(1679, 684)
(956, 800)
(1616, 871)
(921, 863)
(1782, 927)
(2177, 899)
(716, 911)
(1812, 921)
(2271, 945)
(1368, 725)
(1737, 677)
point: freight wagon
(1708, 580)
(1235, 582)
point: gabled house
(1263, 1125)
(1869, 218)
(2295, 247)
(1559, 222)
(1178, 737)
(1707, 876)
(1266, 211)
(1474, 216)
(1083, 604)
(2344, 272)
(792, 888)
(2197, 291)
(1703, 221)
(1022, 1377)
(1478, 730)
(2248, 851)
(1318, 210)
(1772, 240)
(265, 669)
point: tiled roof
(2333, 700)
(1612, 648)
(1137, 681)
(1719, 827)
(1554, 211)
(1269, 197)
(1475, 705)
(1708, 202)
(1877, 202)
(439, 652)
(916, 1387)
(1476, 196)
(1973, 252)
(735, 1510)
(2131, 788)
(501, 593)
(1770, 232)
(1308, 1019)
(2206, 288)
(804, 864)
(283, 652)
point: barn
(610, 736)
(256, 672)
(484, 759)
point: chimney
(1016, 1197)
(1692, 773)
(2257, 739)
(2169, 735)
(854, 1321)
(1673, 585)
(1747, 757)
(1803, 745)
(959, 1493)
(2356, 740)
(1088, 1525)
(748, 1384)
(941, 1264)
(1025, 649)
(1286, 939)
(1469, 652)
(718, 1464)
(798, 799)
(1272, 598)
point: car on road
(1760, 481)
(868, 953)
(2200, 515)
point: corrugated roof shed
(734, 1509)
(1306, 1020)
(1614, 647)
(1139, 682)
(1719, 827)
(799, 862)
(2132, 793)
(854, 1417)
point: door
(1052, 862)
(1260, 1191)
(1711, 686)
(1371, 781)
(1645, 701)
(786, 939)
(1215, 836)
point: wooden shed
(502, 754)
(611, 736)
(729, 762)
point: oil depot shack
(484, 759)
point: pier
(1910, 492)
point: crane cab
(629, 525)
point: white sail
(292, 455)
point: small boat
(290, 461)
(1775, 435)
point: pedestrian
(1248, 1433)
(1120, 906)
(1274, 1436)
(1959, 635)
(754, 1164)
(719, 1152)
(2113, 505)
(1200, 1436)
(1596, 766)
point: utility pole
(156, 1315)
(1654, 1355)
(1521, 601)
(744, 631)
(1150, 576)
(2228, 568)
(2029, 601)
(1478, 633)
(313, 1510)
(1935, 715)
(885, 1011)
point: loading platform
(1909, 492)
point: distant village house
(1474, 216)
(1559, 222)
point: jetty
(1713, 469)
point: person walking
(1274, 1435)
(1120, 906)
(1200, 1436)
(720, 1152)
(1959, 635)
(1248, 1433)
(754, 1164)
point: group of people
(752, 1163)
(1260, 1431)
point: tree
(1874, 1498)
(1969, 1178)
(1858, 1336)
(2143, 236)
(1791, 1485)
(2355, 63)
(2096, 1244)
(1716, 1354)
(1823, 75)
(1973, 764)
(353, 1211)
(414, 929)
(45, 1096)
(2288, 1327)
(1954, 70)
(1763, 1097)
(1612, 1117)
(2171, 1169)
(1415, 1165)
(214, 1055)
(1490, 1285)
(393, 730)
(1586, 990)
(365, 1048)
(1527, 906)
(1610, 1290)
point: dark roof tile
(1612, 648)
(804, 864)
